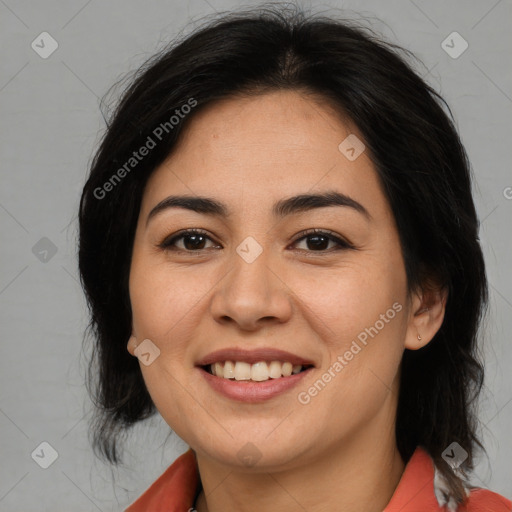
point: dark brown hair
(416, 151)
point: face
(257, 280)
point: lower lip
(244, 391)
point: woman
(280, 251)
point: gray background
(50, 126)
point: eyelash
(167, 243)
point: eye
(318, 239)
(194, 241)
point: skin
(312, 302)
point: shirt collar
(415, 490)
(174, 491)
(177, 488)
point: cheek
(163, 305)
(358, 313)
(342, 302)
(163, 299)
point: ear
(132, 345)
(426, 317)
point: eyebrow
(282, 208)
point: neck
(357, 474)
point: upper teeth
(259, 371)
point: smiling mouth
(258, 372)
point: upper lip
(252, 356)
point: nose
(252, 295)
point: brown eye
(193, 240)
(318, 240)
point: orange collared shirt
(418, 490)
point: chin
(256, 453)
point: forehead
(245, 150)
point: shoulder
(477, 499)
(484, 500)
